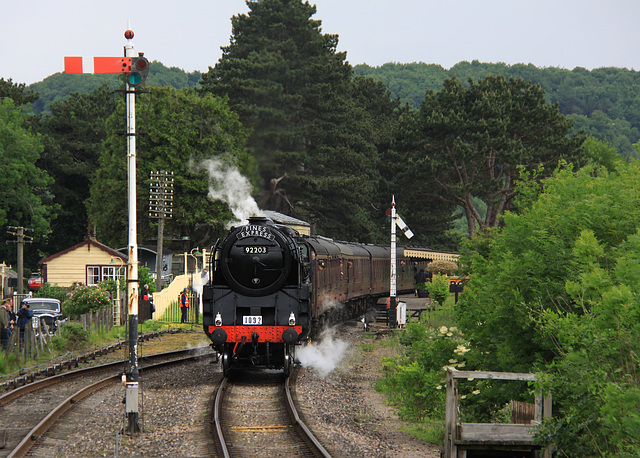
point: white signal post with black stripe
(137, 69)
(393, 299)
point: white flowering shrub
(415, 381)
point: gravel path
(345, 411)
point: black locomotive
(271, 289)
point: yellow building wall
(71, 267)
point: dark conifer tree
(315, 136)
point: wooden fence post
(451, 417)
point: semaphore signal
(74, 64)
(393, 300)
(137, 69)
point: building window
(93, 275)
(112, 273)
(96, 274)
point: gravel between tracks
(347, 414)
(343, 409)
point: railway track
(33, 409)
(254, 413)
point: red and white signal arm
(97, 64)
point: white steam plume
(326, 304)
(227, 184)
(323, 356)
(199, 280)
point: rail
(305, 434)
(47, 422)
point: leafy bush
(412, 389)
(145, 278)
(86, 298)
(53, 291)
(557, 290)
(110, 286)
(439, 289)
(415, 382)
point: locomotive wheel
(226, 364)
(288, 360)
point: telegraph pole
(160, 207)
(20, 240)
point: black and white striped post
(393, 299)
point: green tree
(557, 291)
(275, 72)
(600, 153)
(314, 130)
(72, 135)
(17, 92)
(25, 199)
(181, 130)
(603, 102)
(430, 218)
(407, 82)
(470, 142)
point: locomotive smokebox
(290, 336)
(219, 336)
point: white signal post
(131, 399)
(393, 300)
(124, 65)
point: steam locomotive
(271, 289)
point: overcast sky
(37, 34)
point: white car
(48, 310)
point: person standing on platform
(184, 306)
(24, 319)
(7, 322)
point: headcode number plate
(250, 320)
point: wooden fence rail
(463, 437)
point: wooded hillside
(602, 101)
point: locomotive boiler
(271, 289)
